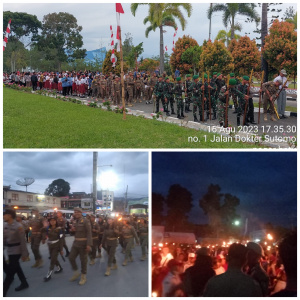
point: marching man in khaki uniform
(82, 245)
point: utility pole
(95, 160)
(210, 24)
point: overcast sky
(95, 18)
(265, 182)
(130, 168)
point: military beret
(195, 76)
(77, 209)
(166, 78)
(246, 78)
(218, 74)
(231, 74)
(232, 82)
(205, 75)
(178, 78)
(188, 75)
(215, 73)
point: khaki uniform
(94, 87)
(103, 88)
(95, 233)
(55, 245)
(273, 89)
(110, 242)
(143, 235)
(130, 86)
(152, 83)
(37, 235)
(83, 238)
(116, 92)
(129, 233)
(138, 89)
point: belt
(13, 245)
(128, 236)
(53, 242)
(36, 232)
(80, 239)
(111, 239)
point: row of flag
(6, 35)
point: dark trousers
(13, 267)
(65, 90)
(34, 86)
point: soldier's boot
(200, 116)
(35, 264)
(114, 267)
(124, 262)
(131, 259)
(207, 115)
(107, 273)
(59, 269)
(40, 263)
(173, 112)
(168, 114)
(273, 118)
(76, 274)
(144, 256)
(195, 118)
(178, 116)
(92, 262)
(221, 124)
(214, 116)
(23, 286)
(48, 276)
(82, 279)
(265, 117)
(238, 121)
(182, 115)
(68, 253)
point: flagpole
(122, 77)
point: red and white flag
(6, 34)
(119, 10)
(166, 48)
(174, 39)
(113, 57)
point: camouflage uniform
(159, 93)
(130, 86)
(178, 90)
(116, 92)
(213, 96)
(95, 87)
(196, 92)
(102, 88)
(168, 87)
(188, 99)
(143, 235)
(273, 89)
(152, 82)
(138, 88)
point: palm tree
(161, 15)
(224, 36)
(231, 10)
(293, 21)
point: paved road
(129, 281)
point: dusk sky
(95, 19)
(265, 182)
(128, 168)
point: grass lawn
(35, 121)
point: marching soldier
(188, 92)
(270, 90)
(95, 234)
(110, 243)
(178, 90)
(116, 91)
(14, 241)
(55, 245)
(81, 246)
(168, 95)
(61, 222)
(143, 236)
(159, 93)
(128, 233)
(37, 235)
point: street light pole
(96, 191)
(95, 160)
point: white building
(23, 202)
(105, 200)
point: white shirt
(283, 79)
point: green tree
(161, 15)
(108, 67)
(157, 208)
(127, 45)
(149, 64)
(231, 11)
(225, 36)
(191, 56)
(136, 51)
(58, 188)
(179, 203)
(60, 38)
(22, 24)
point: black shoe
(238, 122)
(252, 122)
(179, 117)
(195, 119)
(173, 112)
(201, 119)
(21, 287)
(214, 116)
(182, 115)
(168, 114)
(221, 124)
(67, 254)
(235, 111)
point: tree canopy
(58, 188)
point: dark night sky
(265, 182)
